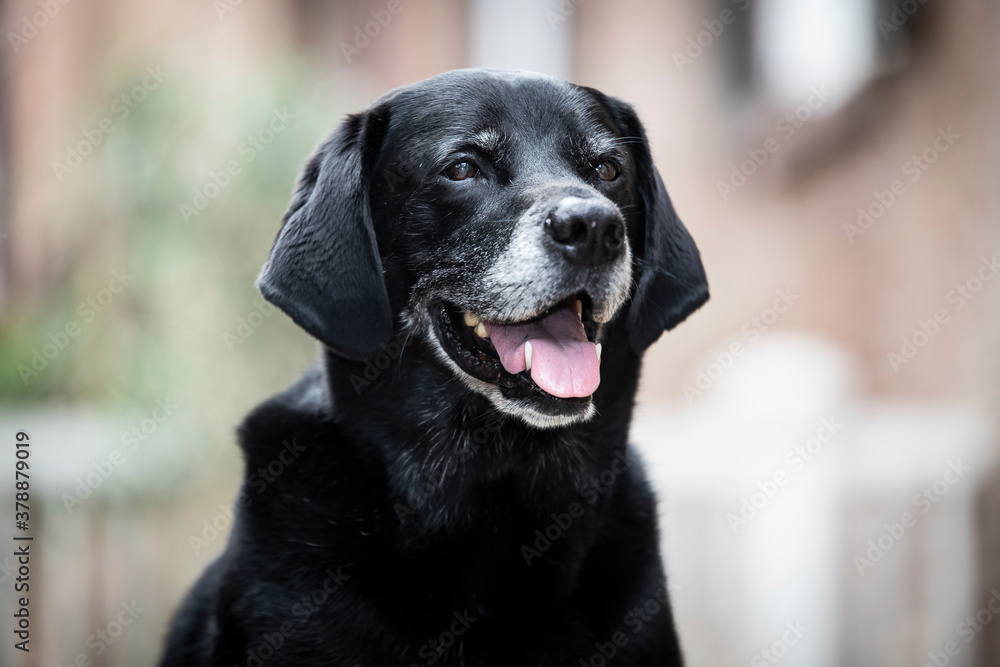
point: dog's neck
(446, 460)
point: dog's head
(504, 218)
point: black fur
(406, 522)
(324, 269)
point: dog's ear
(672, 282)
(324, 269)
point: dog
(484, 256)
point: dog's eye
(606, 171)
(461, 171)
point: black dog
(476, 252)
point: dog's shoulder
(307, 397)
(295, 451)
(299, 413)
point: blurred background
(823, 434)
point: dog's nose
(589, 231)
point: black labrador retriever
(485, 256)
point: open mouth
(548, 356)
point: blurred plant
(233, 145)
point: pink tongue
(563, 362)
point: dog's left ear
(672, 282)
(324, 269)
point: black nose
(589, 231)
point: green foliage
(164, 333)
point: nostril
(557, 229)
(578, 233)
(571, 232)
(614, 235)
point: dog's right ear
(324, 269)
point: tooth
(579, 307)
(470, 319)
(481, 331)
(527, 355)
(598, 353)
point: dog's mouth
(551, 355)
